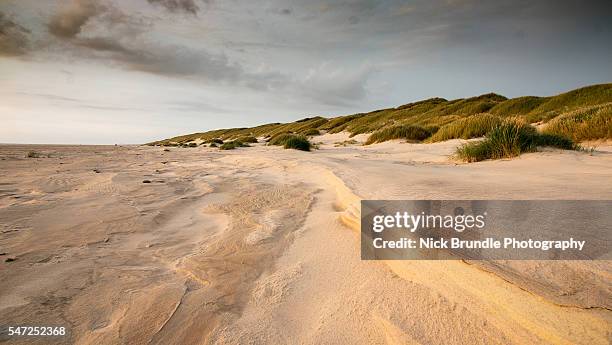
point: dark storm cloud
(454, 22)
(14, 38)
(330, 41)
(132, 53)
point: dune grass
(230, 145)
(247, 139)
(218, 141)
(291, 141)
(588, 123)
(311, 132)
(511, 138)
(470, 127)
(280, 139)
(297, 142)
(436, 112)
(408, 132)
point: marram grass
(470, 127)
(247, 139)
(589, 123)
(440, 112)
(297, 143)
(511, 138)
(408, 132)
(291, 141)
(230, 145)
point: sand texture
(259, 245)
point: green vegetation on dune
(588, 123)
(247, 139)
(567, 114)
(409, 132)
(291, 141)
(511, 138)
(311, 132)
(279, 139)
(517, 106)
(297, 143)
(230, 145)
(473, 126)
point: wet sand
(259, 245)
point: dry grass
(587, 123)
(511, 138)
(470, 127)
(409, 132)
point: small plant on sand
(213, 145)
(588, 123)
(408, 132)
(214, 141)
(33, 154)
(470, 127)
(297, 143)
(280, 139)
(511, 138)
(291, 141)
(230, 145)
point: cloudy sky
(132, 71)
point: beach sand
(259, 245)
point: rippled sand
(139, 245)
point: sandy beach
(146, 245)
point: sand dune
(259, 245)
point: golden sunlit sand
(146, 245)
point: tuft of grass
(466, 128)
(33, 154)
(408, 132)
(589, 123)
(247, 139)
(511, 138)
(280, 139)
(230, 145)
(214, 141)
(297, 142)
(556, 140)
(291, 141)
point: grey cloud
(14, 38)
(175, 61)
(336, 86)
